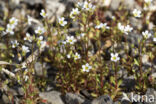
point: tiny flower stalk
(114, 79)
(146, 35)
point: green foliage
(88, 69)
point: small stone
(129, 83)
(53, 97)
(129, 4)
(74, 99)
(86, 94)
(105, 99)
(32, 2)
(39, 69)
(115, 4)
(124, 102)
(5, 99)
(145, 59)
(54, 8)
(136, 23)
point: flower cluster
(74, 12)
(102, 26)
(115, 57)
(40, 30)
(25, 49)
(11, 26)
(28, 37)
(14, 43)
(29, 20)
(146, 34)
(86, 6)
(124, 29)
(86, 67)
(71, 40)
(137, 13)
(76, 56)
(62, 21)
(41, 40)
(43, 13)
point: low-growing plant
(86, 57)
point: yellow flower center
(114, 58)
(39, 31)
(9, 29)
(70, 40)
(86, 6)
(61, 22)
(44, 14)
(86, 68)
(12, 22)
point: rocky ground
(56, 8)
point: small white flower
(25, 49)
(77, 56)
(13, 21)
(68, 56)
(44, 42)
(124, 29)
(80, 4)
(10, 29)
(64, 42)
(128, 28)
(28, 37)
(72, 16)
(75, 11)
(14, 43)
(82, 34)
(20, 58)
(154, 39)
(43, 13)
(29, 20)
(61, 43)
(86, 67)
(40, 30)
(121, 27)
(26, 78)
(40, 38)
(146, 34)
(102, 25)
(137, 13)
(24, 66)
(62, 21)
(87, 6)
(71, 39)
(113, 17)
(115, 57)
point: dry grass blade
(4, 63)
(8, 73)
